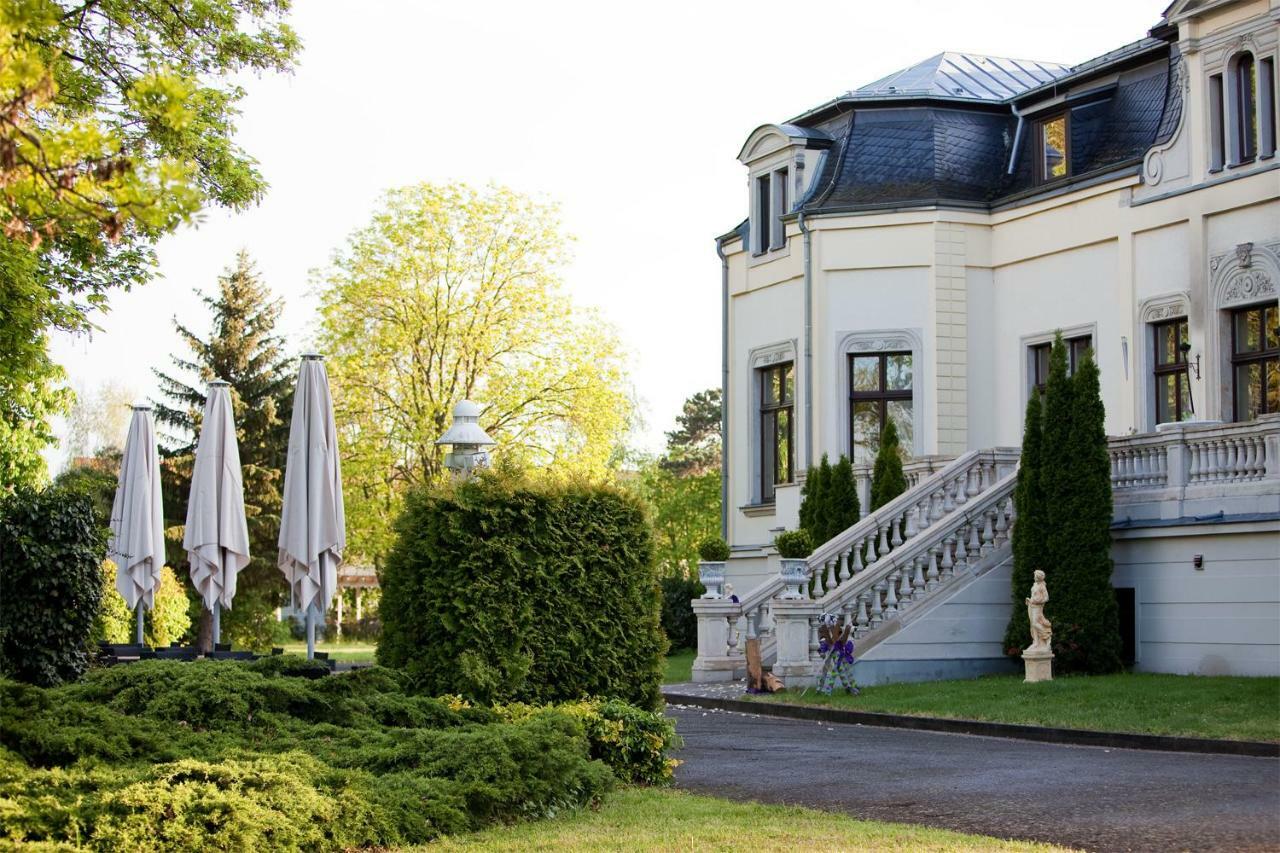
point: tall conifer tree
(243, 349)
(887, 478)
(1029, 530)
(845, 507)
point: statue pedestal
(1039, 665)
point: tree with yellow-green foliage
(453, 293)
(117, 120)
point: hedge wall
(501, 590)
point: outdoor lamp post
(470, 442)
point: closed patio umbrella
(313, 523)
(217, 537)
(137, 518)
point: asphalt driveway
(1088, 797)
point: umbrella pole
(139, 612)
(311, 633)
(217, 624)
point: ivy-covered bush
(166, 623)
(713, 549)
(51, 548)
(501, 590)
(678, 621)
(172, 756)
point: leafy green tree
(1085, 616)
(683, 511)
(455, 293)
(887, 478)
(242, 348)
(1029, 533)
(693, 447)
(117, 120)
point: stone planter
(795, 574)
(712, 576)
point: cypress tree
(810, 498)
(824, 517)
(887, 478)
(845, 507)
(1029, 530)
(243, 349)
(1085, 615)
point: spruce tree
(824, 514)
(887, 478)
(810, 498)
(1029, 529)
(1085, 616)
(242, 348)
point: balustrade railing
(1193, 454)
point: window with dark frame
(1267, 107)
(1053, 148)
(764, 203)
(1246, 109)
(880, 389)
(1217, 135)
(1076, 348)
(1173, 394)
(1255, 361)
(777, 228)
(777, 427)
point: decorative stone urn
(795, 574)
(712, 576)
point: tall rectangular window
(1217, 134)
(777, 228)
(1052, 148)
(1173, 395)
(764, 205)
(1255, 360)
(1267, 107)
(777, 427)
(1076, 348)
(880, 390)
(1246, 109)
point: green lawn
(663, 819)
(679, 666)
(344, 651)
(1198, 706)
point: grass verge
(1227, 707)
(662, 819)
(353, 652)
(679, 666)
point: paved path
(1089, 797)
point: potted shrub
(794, 547)
(713, 551)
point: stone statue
(1041, 628)
(1038, 657)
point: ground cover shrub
(172, 756)
(51, 548)
(501, 590)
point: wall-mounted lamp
(1186, 349)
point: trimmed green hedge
(51, 547)
(500, 590)
(678, 621)
(172, 756)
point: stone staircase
(891, 567)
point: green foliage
(116, 126)
(244, 349)
(693, 447)
(829, 500)
(794, 544)
(1029, 531)
(1069, 538)
(500, 590)
(887, 478)
(683, 513)
(52, 547)
(549, 376)
(166, 623)
(713, 549)
(678, 621)
(97, 480)
(170, 756)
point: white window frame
(1026, 342)
(767, 356)
(875, 342)
(1157, 309)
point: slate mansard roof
(944, 131)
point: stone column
(714, 663)
(791, 627)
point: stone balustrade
(916, 470)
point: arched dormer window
(1243, 107)
(779, 176)
(1244, 115)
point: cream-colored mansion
(911, 248)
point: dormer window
(1052, 148)
(770, 205)
(1245, 108)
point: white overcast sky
(629, 116)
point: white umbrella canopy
(313, 522)
(137, 517)
(217, 536)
